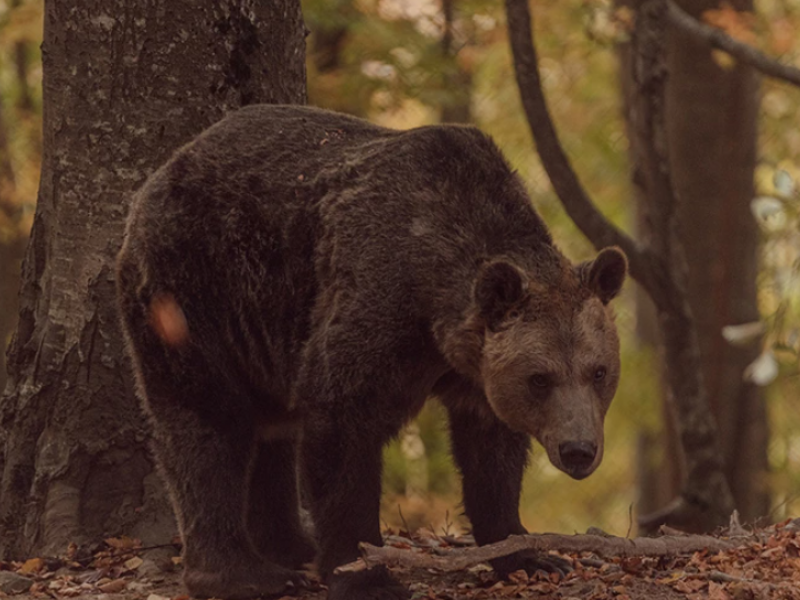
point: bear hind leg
(207, 462)
(273, 518)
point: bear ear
(606, 273)
(498, 287)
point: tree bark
(125, 83)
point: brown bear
(315, 277)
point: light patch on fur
(420, 227)
(167, 320)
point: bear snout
(577, 458)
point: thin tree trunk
(711, 115)
(125, 83)
(660, 462)
(705, 501)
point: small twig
(156, 547)
(742, 52)
(630, 521)
(721, 577)
(447, 523)
(403, 520)
(750, 584)
(463, 558)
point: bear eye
(600, 374)
(513, 314)
(540, 380)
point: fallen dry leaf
(31, 566)
(688, 586)
(122, 543)
(70, 592)
(716, 591)
(113, 587)
(518, 576)
(133, 563)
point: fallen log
(458, 559)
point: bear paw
(238, 583)
(530, 561)
(373, 584)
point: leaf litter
(766, 566)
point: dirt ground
(764, 566)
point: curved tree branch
(742, 52)
(599, 230)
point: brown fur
(329, 270)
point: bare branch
(600, 231)
(463, 558)
(742, 52)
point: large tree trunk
(125, 83)
(711, 130)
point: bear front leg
(273, 514)
(492, 460)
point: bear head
(550, 360)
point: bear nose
(577, 457)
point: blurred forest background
(405, 63)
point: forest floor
(763, 565)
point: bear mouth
(579, 474)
